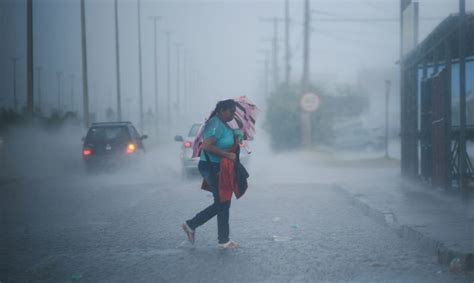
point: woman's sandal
(230, 245)
(189, 232)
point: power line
(320, 12)
(374, 6)
(370, 20)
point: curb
(455, 260)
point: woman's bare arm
(209, 146)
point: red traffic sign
(309, 102)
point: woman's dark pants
(209, 171)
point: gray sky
(221, 40)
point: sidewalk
(440, 221)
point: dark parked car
(112, 144)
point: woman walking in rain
(217, 147)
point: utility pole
(185, 81)
(140, 92)
(266, 70)
(265, 78)
(15, 101)
(168, 79)
(462, 89)
(128, 101)
(117, 62)
(85, 94)
(189, 81)
(38, 83)
(305, 117)
(155, 19)
(276, 71)
(192, 86)
(388, 83)
(403, 147)
(95, 97)
(4, 78)
(306, 47)
(58, 75)
(287, 44)
(178, 47)
(29, 58)
(275, 67)
(72, 92)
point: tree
(283, 113)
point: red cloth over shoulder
(227, 183)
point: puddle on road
(281, 238)
(162, 252)
(150, 253)
(169, 252)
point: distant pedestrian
(218, 154)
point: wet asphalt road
(59, 224)
(123, 227)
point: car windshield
(194, 130)
(108, 134)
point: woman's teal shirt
(222, 133)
